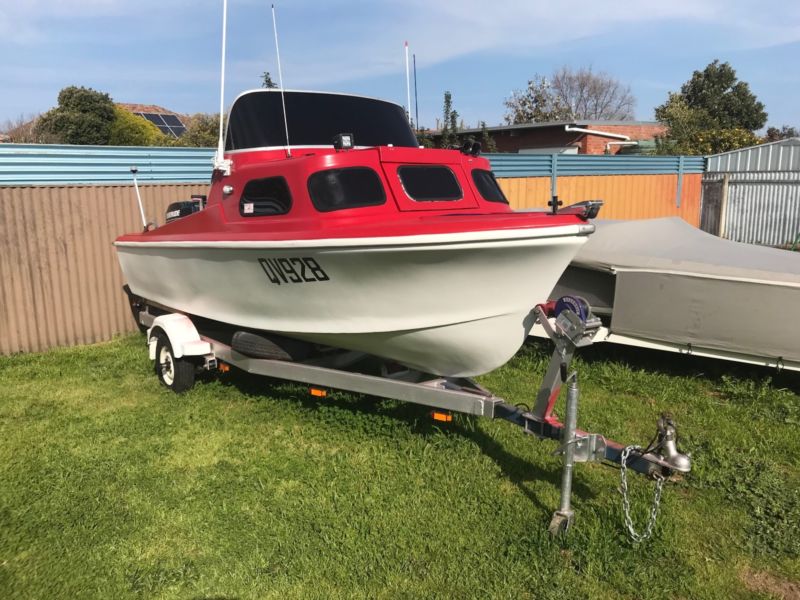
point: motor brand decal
(293, 270)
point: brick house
(570, 137)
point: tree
(569, 95)
(129, 129)
(487, 141)
(712, 113)
(22, 130)
(266, 81)
(774, 134)
(449, 123)
(83, 116)
(425, 138)
(202, 131)
(728, 101)
(535, 104)
(594, 96)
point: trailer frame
(564, 323)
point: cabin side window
(265, 197)
(487, 186)
(429, 183)
(351, 187)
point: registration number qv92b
(293, 270)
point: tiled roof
(147, 108)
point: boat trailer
(181, 349)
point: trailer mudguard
(182, 335)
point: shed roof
(783, 155)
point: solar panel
(172, 120)
(167, 124)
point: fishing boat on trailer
(348, 257)
(328, 224)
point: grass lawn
(113, 487)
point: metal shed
(752, 195)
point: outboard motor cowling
(184, 208)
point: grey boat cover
(664, 280)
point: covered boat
(663, 284)
(330, 225)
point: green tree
(83, 116)
(266, 81)
(774, 134)
(129, 129)
(536, 104)
(425, 138)
(449, 123)
(713, 112)
(728, 101)
(487, 141)
(202, 131)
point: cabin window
(429, 183)
(487, 186)
(265, 197)
(352, 187)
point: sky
(167, 52)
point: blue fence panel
(35, 164)
(542, 165)
(38, 164)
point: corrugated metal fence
(755, 208)
(632, 187)
(35, 164)
(59, 212)
(752, 195)
(60, 284)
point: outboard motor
(184, 208)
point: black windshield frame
(314, 118)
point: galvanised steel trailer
(182, 345)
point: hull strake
(455, 307)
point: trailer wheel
(175, 373)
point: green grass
(113, 487)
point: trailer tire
(175, 373)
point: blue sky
(167, 52)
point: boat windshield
(314, 118)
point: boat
(327, 224)
(665, 285)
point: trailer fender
(182, 335)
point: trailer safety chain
(637, 537)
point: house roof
(147, 108)
(596, 123)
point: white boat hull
(451, 304)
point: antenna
(280, 82)
(220, 164)
(408, 87)
(416, 99)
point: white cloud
(327, 42)
(441, 31)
